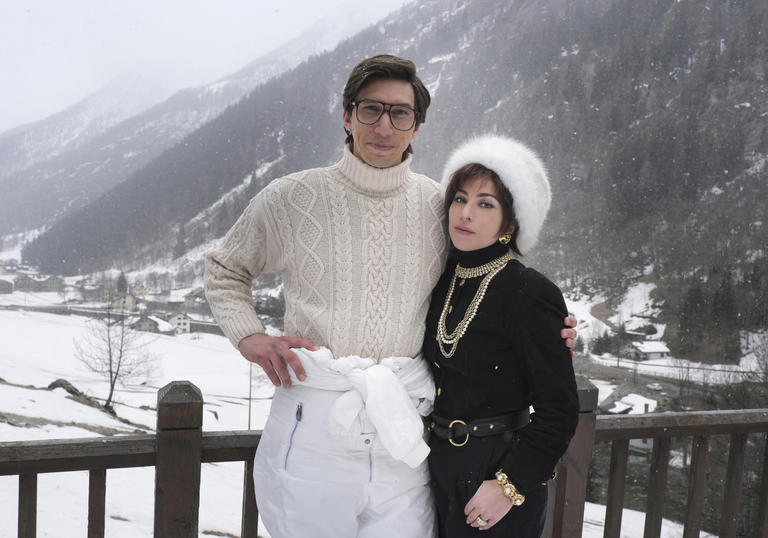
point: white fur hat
(521, 171)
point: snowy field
(694, 372)
(632, 523)
(38, 349)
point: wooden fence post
(179, 450)
(572, 474)
(27, 505)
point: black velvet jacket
(511, 356)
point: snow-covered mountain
(54, 166)
(645, 148)
(73, 127)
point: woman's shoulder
(531, 284)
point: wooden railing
(180, 446)
(700, 426)
(176, 451)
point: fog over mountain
(54, 166)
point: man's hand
(273, 353)
(569, 335)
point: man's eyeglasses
(369, 111)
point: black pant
(456, 474)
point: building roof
(651, 346)
(162, 325)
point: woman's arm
(537, 447)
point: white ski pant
(309, 484)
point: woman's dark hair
(382, 67)
(473, 170)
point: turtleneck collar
(378, 182)
(476, 258)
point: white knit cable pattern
(438, 239)
(357, 268)
(413, 223)
(228, 278)
(289, 274)
(377, 275)
(434, 244)
(341, 329)
(310, 267)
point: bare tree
(114, 350)
(759, 347)
(682, 368)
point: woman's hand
(489, 504)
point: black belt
(459, 429)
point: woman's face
(475, 215)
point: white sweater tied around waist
(392, 394)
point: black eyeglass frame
(386, 107)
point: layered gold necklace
(490, 270)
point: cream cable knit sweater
(359, 249)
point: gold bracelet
(509, 489)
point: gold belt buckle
(466, 440)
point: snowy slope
(27, 359)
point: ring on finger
(480, 521)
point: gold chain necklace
(490, 270)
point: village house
(194, 298)
(181, 322)
(91, 293)
(152, 324)
(139, 290)
(38, 283)
(9, 266)
(649, 350)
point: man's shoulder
(306, 176)
(427, 185)
(425, 181)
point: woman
(493, 343)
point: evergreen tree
(724, 315)
(122, 284)
(692, 319)
(181, 243)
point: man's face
(381, 145)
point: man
(360, 245)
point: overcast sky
(55, 52)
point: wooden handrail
(60, 455)
(680, 424)
(179, 430)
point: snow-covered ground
(38, 349)
(12, 244)
(632, 524)
(636, 308)
(694, 372)
(604, 389)
(634, 404)
(581, 308)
